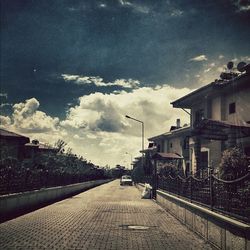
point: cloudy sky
(72, 69)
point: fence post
(27, 173)
(178, 185)
(9, 175)
(191, 187)
(211, 188)
(154, 186)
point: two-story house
(175, 144)
(219, 118)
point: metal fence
(230, 197)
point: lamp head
(127, 116)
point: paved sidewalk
(100, 218)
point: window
(232, 108)
(186, 143)
(199, 116)
(171, 145)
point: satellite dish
(241, 66)
(230, 65)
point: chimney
(178, 123)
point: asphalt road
(105, 217)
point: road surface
(105, 217)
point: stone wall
(19, 203)
(221, 231)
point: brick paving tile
(100, 218)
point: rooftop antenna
(241, 66)
(230, 65)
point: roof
(162, 156)
(217, 130)
(40, 146)
(148, 149)
(6, 133)
(190, 99)
(31, 145)
(170, 133)
(224, 124)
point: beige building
(219, 118)
(175, 142)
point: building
(36, 148)
(174, 145)
(12, 144)
(219, 118)
(147, 159)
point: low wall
(221, 231)
(14, 204)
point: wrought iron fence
(230, 197)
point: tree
(233, 164)
(60, 146)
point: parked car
(126, 180)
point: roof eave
(188, 100)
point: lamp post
(130, 157)
(142, 132)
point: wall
(214, 148)
(216, 108)
(221, 231)
(13, 204)
(215, 152)
(176, 145)
(241, 98)
(196, 107)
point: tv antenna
(241, 66)
(230, 65)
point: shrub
(234, 163)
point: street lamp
(142, 133)
(130, 157)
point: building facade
(12, 144)
(219, 118)
(175, 142)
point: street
(105, 217)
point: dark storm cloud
(149, 41)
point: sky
(72, 69)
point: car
(126, 180)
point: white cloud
(207, 70)
(5, 121)
(135, 7)
(68, 77)
(2, 105)
(5, 95)
(221, 69)
(107, 131)
(98, 81)
(123, 2)
(245, 58)
(242, 5)
(235, 59)
(176, 13)
(97, 126)
(199, 58)
(27, 118)
(103, 5)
